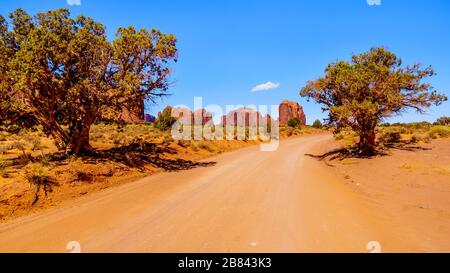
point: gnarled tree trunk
(79, 141)
(367, 143)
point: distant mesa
(203, 116)
(149, 118)
(186, 116)
(289, 110)
(245, 117)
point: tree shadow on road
(136, 155)
(353, 152)
(140, 154)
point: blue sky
(228, 47)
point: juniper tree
(66, 73)
(371, 87)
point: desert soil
(253, 201)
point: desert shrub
(167, 139)
(390, 137)
(165, 120)
(96, 136)
(118, 138)
(18, 145)
(4, 149)
(184, 143)
(443, 121)
(419, 125)
(442, 131)
(205, 146)
(295, 122)
(3, 136)
(40, 131)
(339, 136)
(427, 139)
(77, 167)
(23, 159)
(317, 124)
(194, 146)
(36, 173)
(45, 160)
(416, 139)
(36, 144)
(133, 160)
(3, 164)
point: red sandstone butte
(290, 110)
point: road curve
(250, 201)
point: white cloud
(74, 2)
(265, 86)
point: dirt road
(249, 201)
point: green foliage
(416, 139)
(442, 131)
(295, 122)
(3, 163)
(338, 136)
(390, 137)
(36, 173)
(67, 74)
(371, 87)
(444, 121)
(205, 146)
(77, 167)
(165, 119)
(194, 146)
(317, 124)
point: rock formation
(133, 113)
(244, 117)
(149, 118)
(186, 116)
(290, 110)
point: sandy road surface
(250, 201)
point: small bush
(194, 146)
(36, 173)
(317, 124)
(416, 139)
(45, 160)
(167, 140)
(4, 149)
(184, 143)
(165, 120)
(97, 136)
(444, 121)
(3, 136)
(118, 139)
(442, 131)
(18, 145)
(23, 159)
(77, 166)
(3, 163)
(338, 136)
(36, 144)
(205, 146)
(390, 137)
(295, 122)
